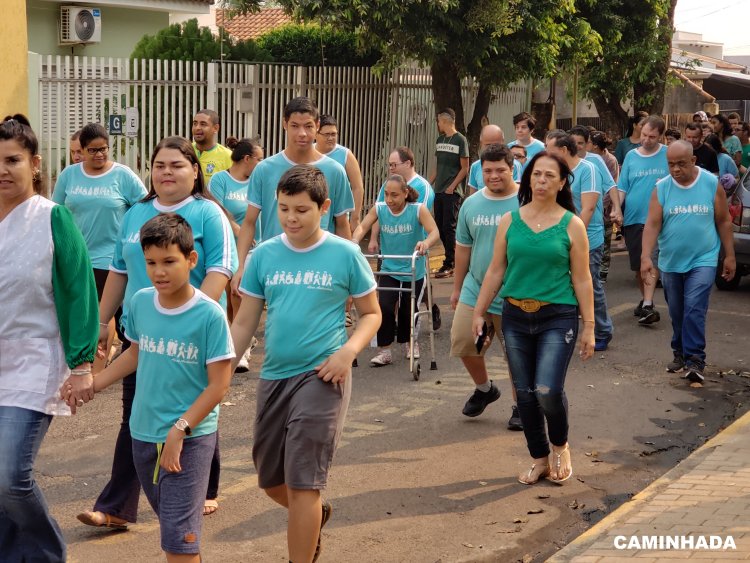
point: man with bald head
(688, 214)
(490, 135)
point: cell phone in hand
(485, 337)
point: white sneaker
(407, 352)
(383, 358)
(243, 365)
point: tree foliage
(190, 42)
(634, 63)
(316, 45)
(497, 42)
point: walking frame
(415, 313)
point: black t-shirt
(706, 158)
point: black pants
(390, 301)
(446, 216)
(119, 498)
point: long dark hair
(200, 190)
(635, 120)
(564, 196)
(714, 142)
(17, 128)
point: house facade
(13, 61)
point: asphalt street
(414, 480)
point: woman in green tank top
(541, 258)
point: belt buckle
(530, 305)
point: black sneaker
(436, 319)
(638, 311)
(480, 399)
(677, 364)
(515, 419)
(327, 511)
(649, 315)
(694, 374)
(445, 271)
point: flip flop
(558, 463)
(528, 478)
(209, 507)
(91, 518)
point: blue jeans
(539, 347)
(603, 328)
(27, 531)
(687, 299)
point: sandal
(534, 476)
(558, 463)
(210, 506)
(101, 520)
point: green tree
(315, 45)
(189, 42)
(634, 63)
(498, 42)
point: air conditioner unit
(80, 25)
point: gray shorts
(298, 423)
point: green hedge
(315, 45)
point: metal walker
(415, 313)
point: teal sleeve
(74, 289)
(58, 193)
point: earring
(37, 175)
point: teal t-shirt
(638, 178)
(532, 149)
(727, 165)
(422, 187)
(175, 347)
(264, 180)
(339, 154)
(477, 224)
(476, 180)
(607, 182)
(586, 180)
(232, 195)
(399, 234)
(733, 145)
(214, 243)
(98, 204)
(305, 291)
(688, 238)
(623, 147)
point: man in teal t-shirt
(490, 135)
(642, 168)
(475, 237)
(688, 201)
(301, 123)
(588, 199)
(452, 155)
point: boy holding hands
(182, 351)
(305, 276)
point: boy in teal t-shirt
(305, 276)
(182, 351)
(475, 241)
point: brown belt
(527, 305)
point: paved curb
(579, 546)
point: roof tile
(251, 26)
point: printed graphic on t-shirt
(182, 352)
(312, 279)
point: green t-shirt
(746, 155)
(449, 150)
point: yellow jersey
(213, 160)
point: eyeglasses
(394, 164)
(97, 150)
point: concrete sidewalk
(707, 494)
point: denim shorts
(177, 498)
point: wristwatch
(183, 425)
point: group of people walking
(183, 270)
